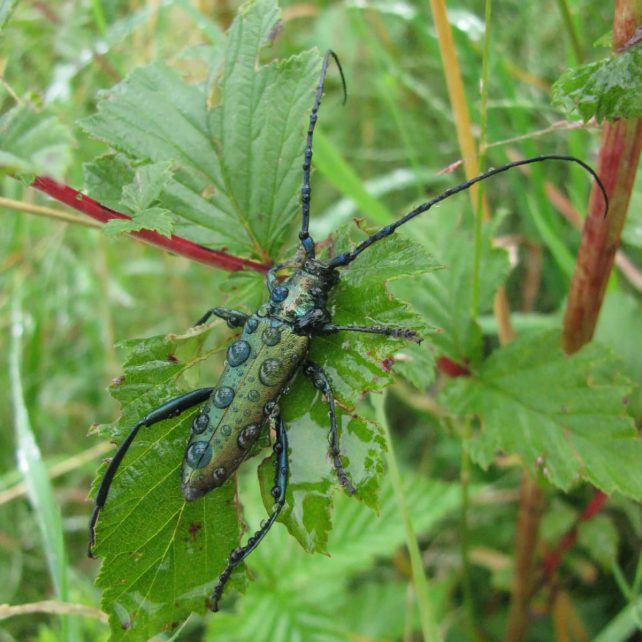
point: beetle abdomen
(259, 365)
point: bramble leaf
(357, 362)
(444, 297)
(608, 89)
(161, 555)
(563, 415)
(302, 593)
(33, 143)
(237, 166)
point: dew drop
(254, 395)
(224, 395)
(201, 422)
(280, 293)
(219, 474)
(248, 436)
(271, 336)
(198, 454)
(270, 372)
(238, 353)
(252, 325)
(226, 431)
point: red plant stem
(528, 519)
(174, 244)
(553, 560)
(617, 165)
(618, 159)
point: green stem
(426, 608)
(483, 127)
(572, 32)
(469, 602)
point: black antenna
(347, 257)
(306, 240)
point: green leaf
(600, 538)
(300, 596)
(313, 481)
(33, 143)
(608, 89)
(444, 298)
(161, 555)
(146, 187)
(564, 415)
(356, 362)
(237, 166)
(153, 218)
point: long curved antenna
(306, 240)
(348, 257)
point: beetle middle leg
(281, 471)
(320, 382)
(234, 318)
(171, 408)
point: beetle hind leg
(281, 471)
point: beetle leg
(281, 471)
(171, 408)
(399, 333)
(234, 318)
(320, 382)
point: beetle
(270, 352)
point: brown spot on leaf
(193, 529)
(117, 381)
(387, 364)
(172, 358)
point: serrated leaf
(238, 171)
(105, 177)
(33, 143)
(153, 218)
(146, 187)
(444, 298)
(357, 362)
(300, 596)
(161, 555)
(608, 89)
(313, 483)
(563, 415)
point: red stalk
(174, 244)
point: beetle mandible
(270, 352)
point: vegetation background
(70, 293)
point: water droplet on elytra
(224, 395)
(238, 353)
(270, 372)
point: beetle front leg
(320, 382)
(398, 333)
(281, 472)
(234, 318)
(171, 408)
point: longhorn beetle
(270, 352)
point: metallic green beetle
(270, 352)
